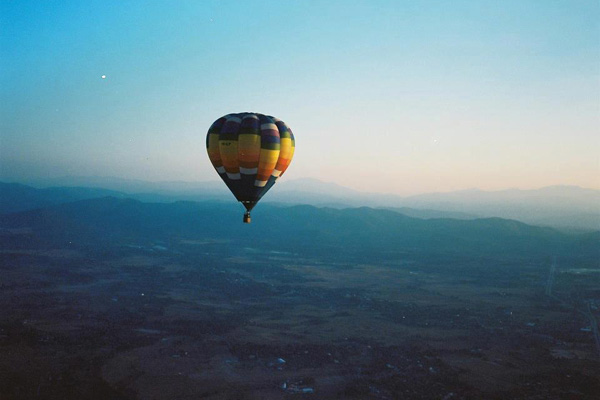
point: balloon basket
(247, 218)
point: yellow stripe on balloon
(249, 150)
(229, 155)
(284, 155)
(286, 163)
(266, 164)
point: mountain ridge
(566, 207)
(360, 231)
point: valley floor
(204, 319)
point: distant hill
(357, 232)
(559, 206)
(565, 207)
(429, 214)
(129, 186)
(15, 197)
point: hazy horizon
(92, 181)
(385, 97)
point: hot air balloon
(250, 152)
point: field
(208, 319)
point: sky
(400, 97)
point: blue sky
(387, 96)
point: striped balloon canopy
(250, 152)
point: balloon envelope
(250, 152)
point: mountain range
(564, 207)
(354, 232)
